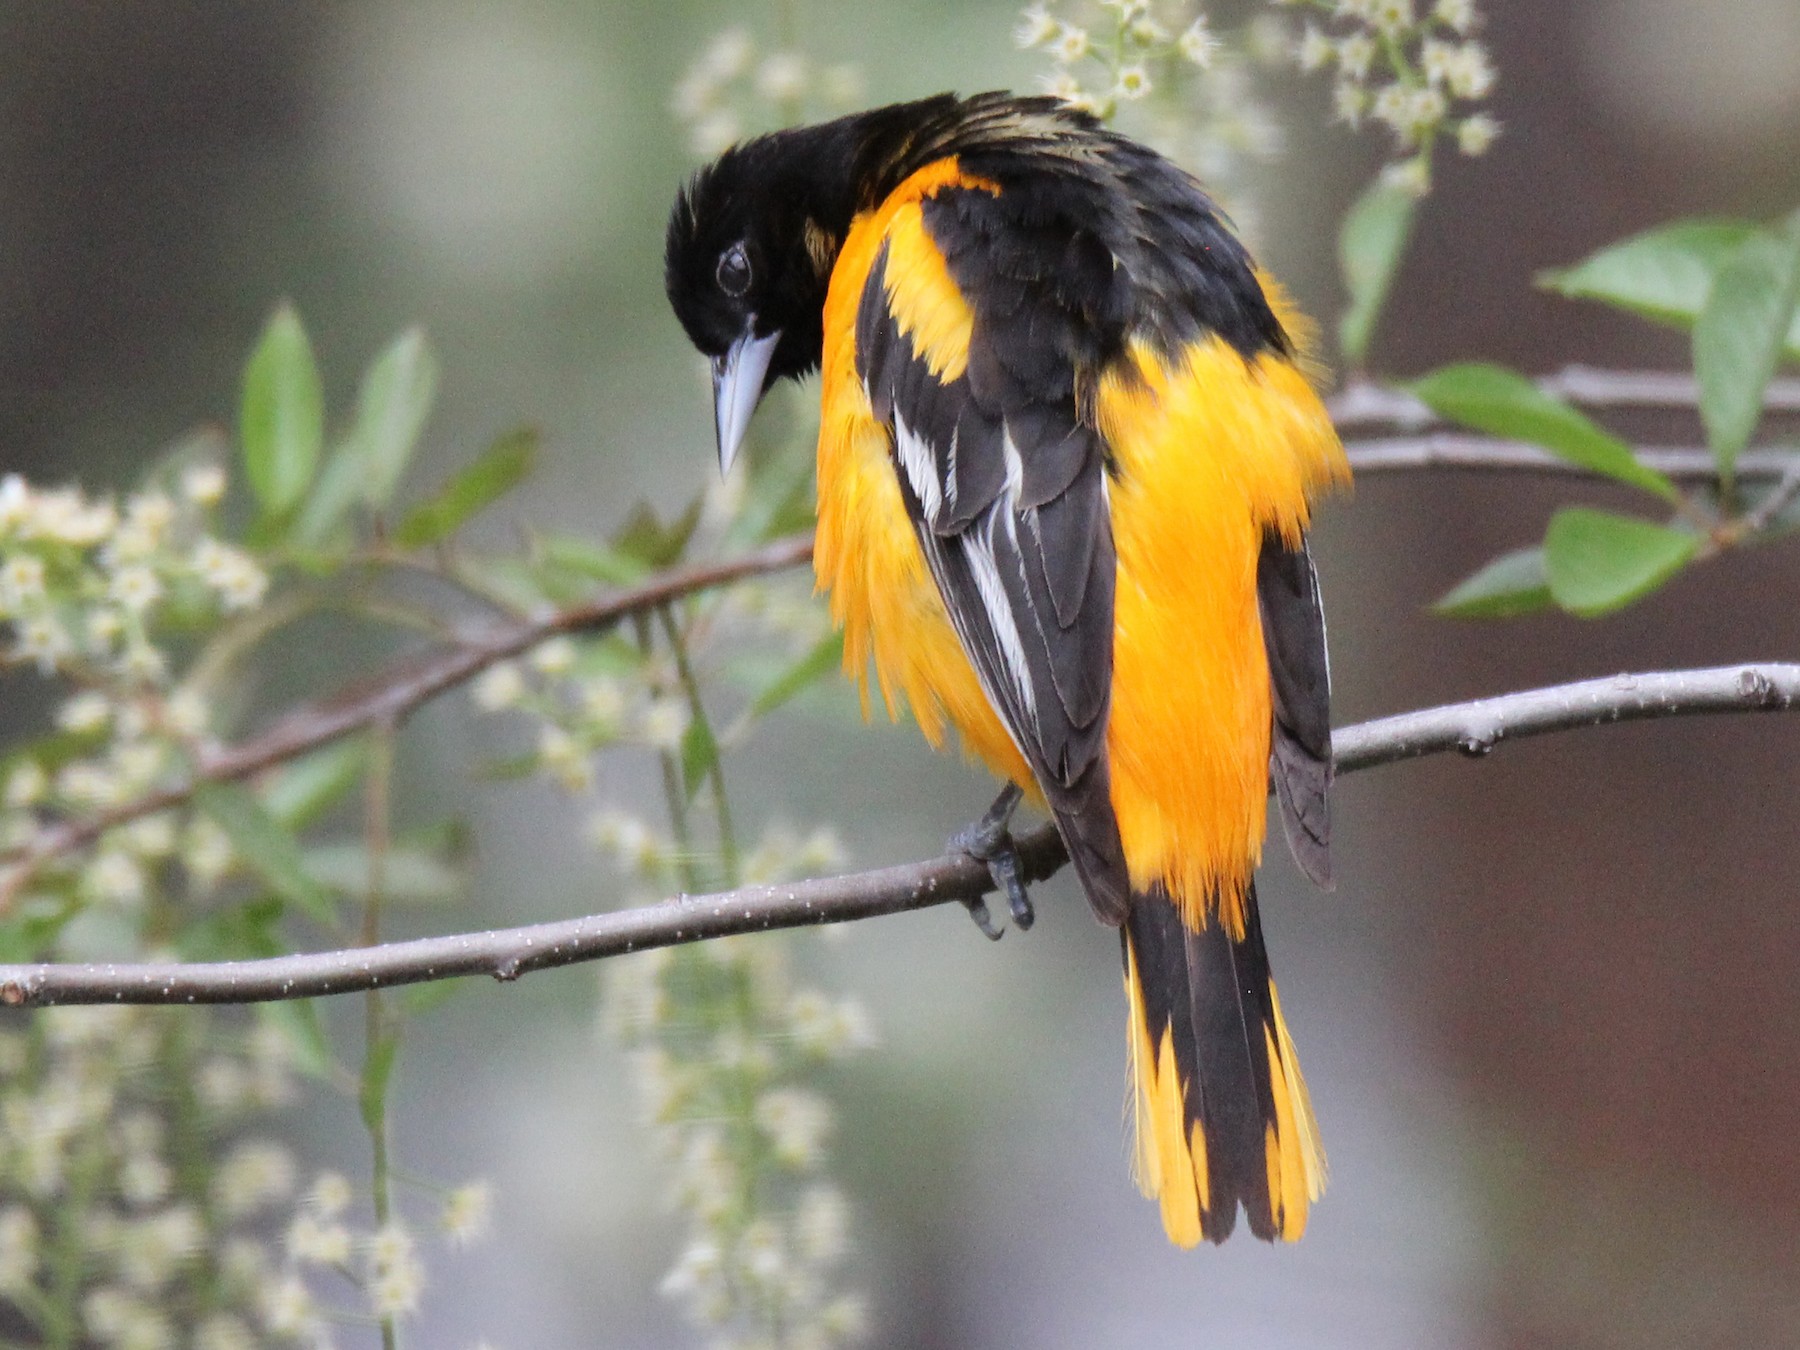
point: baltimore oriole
(1065, 467)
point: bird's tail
(1222, 1113)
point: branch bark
(1363, 403)
(1467, 451)
(1473, 728)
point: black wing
(1006, 489)
(1300, 758)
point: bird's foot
(990, 841)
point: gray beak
(737, 388)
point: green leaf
(1598, 562)
(1663, 274)
(1514, 583)
(301, 1027)
(397, 394)
(825, 657)
(1503, 402)
(498, 470)
(267, 847)
(1373, 237)
(1739, 336)
(699, 753)
(378, 1068)
(652, 543)
(308, 787)
(281, 420)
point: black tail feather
(1204, 1138)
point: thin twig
(389, 697)
(1468, 451)
(1474, 728)
(1763, 514)
(1363, 403)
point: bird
(1070, 442)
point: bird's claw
(991, 842)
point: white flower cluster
(720, 1044)
(84, 580)
(735, 89)
(586, 697)
(1194, 89)
(119, 1201)
(382, 1263)
(1135, 45)
(116, 746)
(1416, 74)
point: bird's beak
(738, 386)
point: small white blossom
(396, 1279)
(1035, 28)
(467, 1213)
(1458, 14)
(728, 55)
(252, 1176)
(555, 657)
(150, 837)
(499, 687)
(136, 588)
(1355, 55)
(1071, 45)
(781, 78)
(1133, 83)
(314, 1241)
(203, 484)
(25, 785)
(287, 1307)
(1476, 134)
(1349, 103)
(665, 723)
(1409, 175)
(563, 757)
(1470, 75)
(330, 1195)
(796, 1122)
(1147, 32)
(1315, 51)
(15, 503)
(206, 852)
(1392, 16)
(1197, 44)
(185, 712)
(18, 1249)
(114, 876)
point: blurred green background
(1548, 1018)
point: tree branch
(1466, 450)
(1364, 403)
(1474, 728)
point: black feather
(1210, 993)
(1293, 620)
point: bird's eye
(734, 271)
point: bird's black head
(751, 244)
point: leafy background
(1546, 1017)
